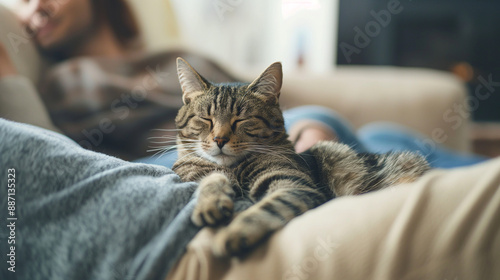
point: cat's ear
(192, 83)
(268, 84)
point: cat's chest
(254, 169)
(244, 173)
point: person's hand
(307, 133)
(7, 68)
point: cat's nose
(221, 141)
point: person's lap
(387, 137)
(381, 137)
(328, 118)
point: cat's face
(225, 123)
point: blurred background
(457, 36)
(461, 37)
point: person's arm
(19, 100)
(304, 134)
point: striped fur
(231, 139)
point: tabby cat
(232, 140)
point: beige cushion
(443, 226)
(421, 99)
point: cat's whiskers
(192, 160)
(176, 145)
(163, 142)
(173, 141)
(160, 153)
(165, 129)
(189, 150)
(168, 148)
(163, 136)
(163, 150)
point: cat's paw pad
(212, 211)
(215, 202)
(238, 238)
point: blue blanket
(85, 215)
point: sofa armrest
(425, 100)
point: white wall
(158, 22)
(251, 34)
(9, 3)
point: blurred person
(108, 94)
(104, 90)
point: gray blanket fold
(84, 215)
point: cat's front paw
(242, 234)
(215, 201)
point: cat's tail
(346, 172)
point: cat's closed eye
(234, 126)
(207, 120)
